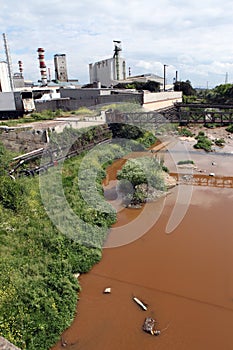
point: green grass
(38, 292)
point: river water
(184, 276)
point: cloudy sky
(191, 37)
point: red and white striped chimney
(43, 71)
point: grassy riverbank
(38, 287)
(38, 290)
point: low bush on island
(203, 142)
(139, 178)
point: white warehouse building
(110, 71)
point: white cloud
(193, 37)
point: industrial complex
(18, 97)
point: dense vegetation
(127, 131)
(38, 291)
(222, 93)
(38, 288)
(185, 87)
(141, 171)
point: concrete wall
(5, 85)
(80, 99)
(7, 101)
(84, 94)
(73, 99)
(157, 100)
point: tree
(133, 172)
(125, 131)
(139, 172)
(185, 87)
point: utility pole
(9, 63)
(164, 77)
(117, 49)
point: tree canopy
(185, 87)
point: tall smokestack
(43, 71)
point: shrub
(203, 142)
(219, 142)
(185, 132)
(230, 128)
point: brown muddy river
(185, 277)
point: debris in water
(140, 303)
(149, 326)
(107, 290)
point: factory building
(5, 85)
(60, 67)
(110, 71)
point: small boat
(140, 303)
(107, 290)
(149, 326)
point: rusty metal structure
(203, 180)
(182, 114)
(198, 113)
